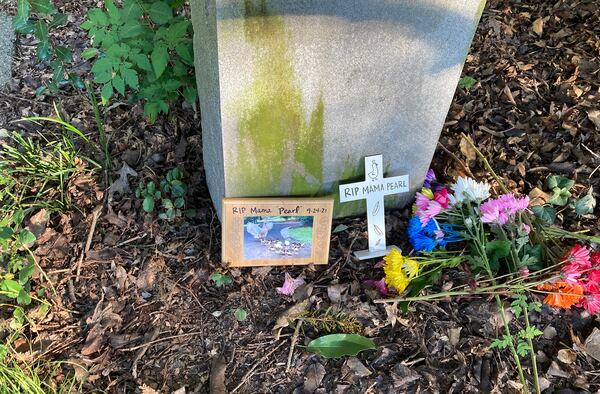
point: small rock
(549, 332)
(555, 370)
(357, 367)
(454, 335)
(541, 357)
(157, 158)
(567, 356)
(592, 344)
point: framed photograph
(276, 231)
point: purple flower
(377, 284)
(429, 178)
(290, 285)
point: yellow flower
(399, 270)
(427, 193)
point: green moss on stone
(278, 150)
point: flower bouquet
(507, 247)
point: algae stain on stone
(278, 150)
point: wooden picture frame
(276, 231)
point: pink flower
(524, 272)
(571, 273)
(377, 284)
(441, 196)
(579, 255)
(591, 303)
(290, 285)
(595, 257)
(500, 209)
(433, 209)
(422, 202)
(591, 287)
(526, 229)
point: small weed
(327, 321)
(170, 194)
(221, 279)
(36, 173)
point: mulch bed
(144, 316)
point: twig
(88, 243)
(187, 334)
(293, 345)
(251, 371)
(143, 351)
(459, 161)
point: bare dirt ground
(145, 316)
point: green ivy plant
(560, 187)
(144, 46)
(38, 17)
(171, 195)
(17, 264)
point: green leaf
(26, 237)
(185, 51)
(545, 213)
(148, 204)
(560, 196)
(43, 50)
(240, 314)
(113, 12)
(23, 297)
(10, 288)
(190, 95)
(6, 233)
(586, 204)
(58, 19)
(20, 21)
(220, 279)
(339, 345)
(43, 6)
(466, 82)
(554, 181)
(64, 54)
(89, 53)
(160, 58)
(119, 84)
(26, 272)
(142, 62)
(131, 78)
(131, 10)
(107, 92)
(41, 30)
(167, 203)
(176, 32)
(497, 250)
(160, 12)
(131, 29)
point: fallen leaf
(37, 223)
(538, 26)
(467, 149)
(594, 116)
(312, 380)
(567, 356)
(357, 367)
(121, 184)
(288, 315)
(218, 367)
(592, 344)
(334, 292)
(555, 370)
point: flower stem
(536, 380)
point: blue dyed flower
(428, 237)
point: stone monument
(294, 94)
(7, 37)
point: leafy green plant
(35, 173)
(221, 279)
(38, 17)
(145, 46)
(561, 196)
(17, 263)
(466, 82)
(171, 195)
(240, 314)
(340, 345)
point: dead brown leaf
(218, 367)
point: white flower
(468, 189)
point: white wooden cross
(373, 189)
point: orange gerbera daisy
(562, 294)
